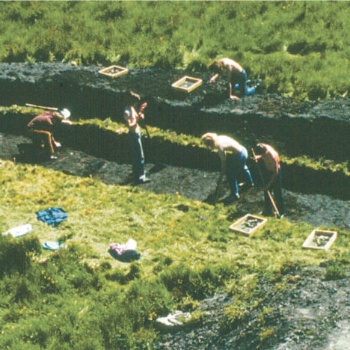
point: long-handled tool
(42, 107)
(267, 191)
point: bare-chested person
(233, 158)
(235, 74)
(270, 165)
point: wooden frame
(320, 239)
(248, 224)
(114, 71)
(187, 83)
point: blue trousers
(137, 155)
(236, 166)
(239, 82)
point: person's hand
(143, 106)
(212, 80)
(235, 98)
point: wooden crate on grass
(320, 239)
(114, 71)
(187, 84)
(248, 224)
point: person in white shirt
(132, 113)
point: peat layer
(318, 130)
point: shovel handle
(42, 107)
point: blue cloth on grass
(52, 216)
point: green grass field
(82, 298)
(300, 49)
(187, 252)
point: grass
(80, 298)
(298, 48)
(187, 252)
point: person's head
(216, 67)
(260, 149)
(209, 139)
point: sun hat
(65, 113)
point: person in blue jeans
(236, 76)
(271, 176)
(233, 157)
(132, 113)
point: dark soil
(313, 312)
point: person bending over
(235, 75)
(42, 128)
(233, 157)
(271, 173)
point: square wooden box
(187, 84)
(248, 224)
(320, 239)
(114, 71)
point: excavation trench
(296, 128)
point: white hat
(65, 113)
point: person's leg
(232, 172)
(278, 195)
(246, 171)
(48, 137)
(268, 209)
(245, 90)
(137, 156)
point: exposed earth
(314, 312)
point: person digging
(269, 166)
(133, 113)
(233, 157)
(42, 128)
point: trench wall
(297, 128)
(114, 147)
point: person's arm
(233, 97)
(222, 156)
(214, 77)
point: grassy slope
(187, 252)
(81, 298)
(298, 48)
